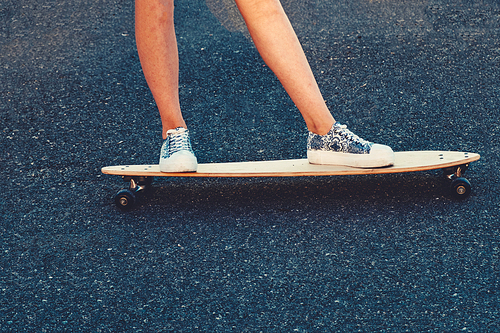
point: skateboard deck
(454, 164)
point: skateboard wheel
(125, 199)
(460, 188)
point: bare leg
(279, 46)
(273, 35)
(157, 46)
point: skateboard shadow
(296, 192)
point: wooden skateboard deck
(454, 165)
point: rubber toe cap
(181, 161)
(382, 154)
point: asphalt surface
(387, 253)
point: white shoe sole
(380, 156)
(181, 161)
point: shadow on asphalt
(295, 193)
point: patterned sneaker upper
(339, 139)
(177, 140)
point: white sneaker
(176, 152)
(342, 147)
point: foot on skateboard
(176, 152)
(342, 147)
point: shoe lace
(350, 136)
(178, 141)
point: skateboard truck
(125, 199)
(460, 187)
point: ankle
(165, 130)
(321, 129)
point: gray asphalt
(389, 253)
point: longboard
(454, 165)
